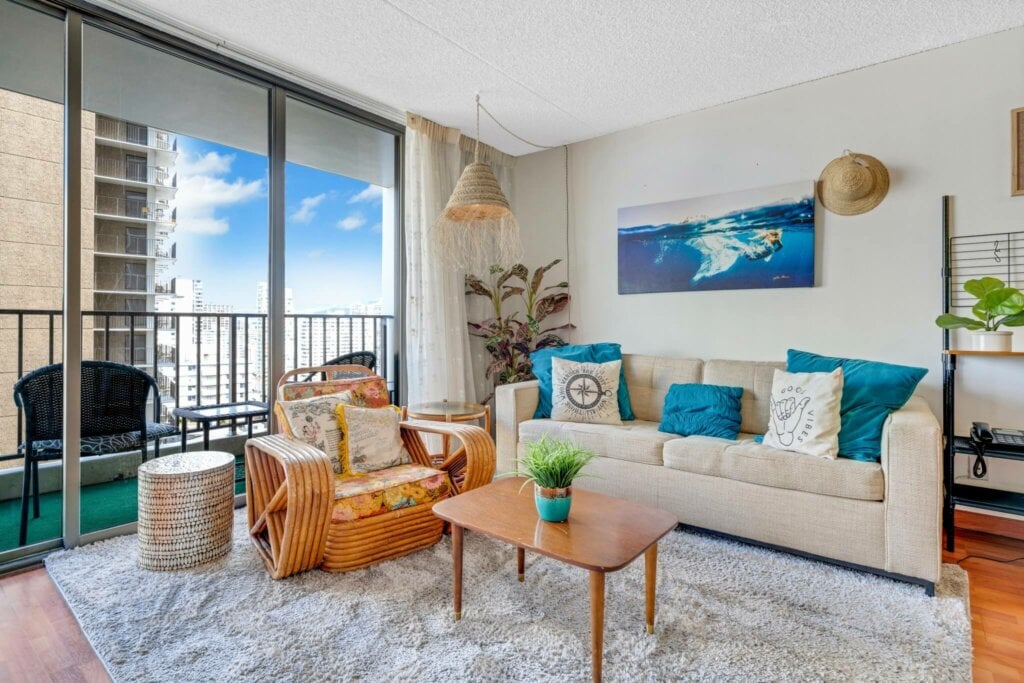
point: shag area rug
(726, 611)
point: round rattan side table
(186, 508)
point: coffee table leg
(596, 623)
(521, 563)
(457, 569)
(650, 581)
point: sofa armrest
(514, 403)
(912, 465)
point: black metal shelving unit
(998, 255)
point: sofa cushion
(758, 464)
(756, 379)
(635, 441)
(394, 488)
(649, 379)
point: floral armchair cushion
(394, 488)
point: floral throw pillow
(370, 438)
(314, 421)
(585, 392)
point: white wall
(938, 120)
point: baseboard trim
(929, 586)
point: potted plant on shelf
(552, 465)
(997, 306)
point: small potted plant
(552, 465)
(998, 306)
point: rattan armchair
(290, 497)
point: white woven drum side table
(186, 508)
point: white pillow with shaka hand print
(804, 412)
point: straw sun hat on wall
(853, 183)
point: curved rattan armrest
(470, 466)
(289, 491)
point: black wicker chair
(368, 359)
(113, 418)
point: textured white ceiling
(558, 71)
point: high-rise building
(135, 186)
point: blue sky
(333, 230)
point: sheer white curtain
(440, 360)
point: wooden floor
(41, 641)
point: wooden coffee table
(603, 534)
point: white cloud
(371, 193)
(315, 253)
(307, 208)
(210, 163)
(201, 193)
(353, 221)
(376, 227)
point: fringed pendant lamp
(477, 228)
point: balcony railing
(134, 245)
(135, 209)
(136, 173)
(196, 358)
(122, 131)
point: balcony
(119, 244)
(134, 210)
(129, 135)
(117, 281)
(113, 170)
(195, 357)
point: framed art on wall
(755, 239)
(1017, 139)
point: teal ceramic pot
(553, 504)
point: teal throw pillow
(702, 409)
(871, 392)
(580, 353)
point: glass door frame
(76, 14)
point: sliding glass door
(31, 274)
(177, 244)
(146, 227)
(340, 240)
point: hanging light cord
(480, 106)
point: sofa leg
(929, 589)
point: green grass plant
(553, 463)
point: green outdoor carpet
(104, 505)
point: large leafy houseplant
(508, 338)
(997, 305)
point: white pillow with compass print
(585, 392)
(804, 412)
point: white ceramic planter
(983, 340)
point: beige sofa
(880, 517)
